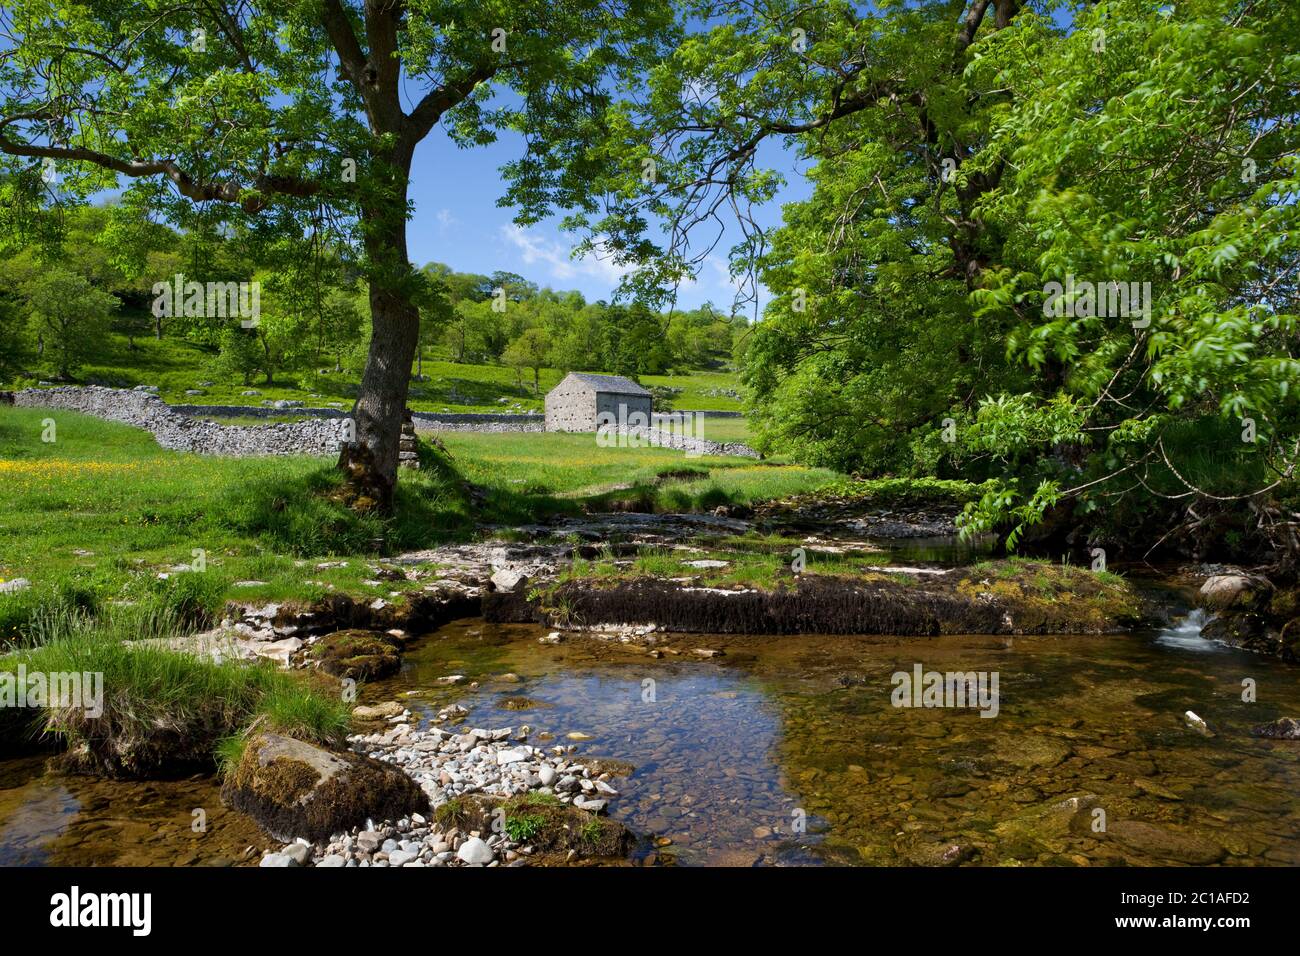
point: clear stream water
(787, 750)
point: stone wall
(181, 433)
(445, 421)
(489, 423)
(657, 438)
(315, 436)
(256, 411)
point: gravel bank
(448, 765)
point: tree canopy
(967, 160)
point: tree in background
(240, 354)
(13, 332)
(340, 325)
(530, 350)
(69, 314)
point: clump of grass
(295, 514)
(229, 752)
(523, 828)
(302, 514)
(900, 491)
(453, 813)
(192, 598)
(163, 708)
(50, 624)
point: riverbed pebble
(448, 764)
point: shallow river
(788, 750)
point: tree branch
(231, 192)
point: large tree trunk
(370, 460)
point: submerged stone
(1165, 845)
(1284, 728)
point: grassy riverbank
(160, 709)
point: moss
(600, 765)
(284, 780)
(292, 789)
(1011, 597)
(357, 654)
(518, 703)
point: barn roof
(617, 384)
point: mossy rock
(1000, 597)
(599, 765)
(539, 820)
(357, 654)
(294, 789)
(519, 702)
(1241, 629)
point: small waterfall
(1186, 634)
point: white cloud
(714, 282)
(446, 221)
(535, 248)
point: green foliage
(240, 356)
(900, 491)
(948, 301)
(68, 315)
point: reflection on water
(57, 820)
(31, 817)
(947, 551)
(732, 754)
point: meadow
(103, 515)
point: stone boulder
(508, 579)
(297, 790)
(1236, 591)
(390, 708)
(1164, 845)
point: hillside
(178, 366)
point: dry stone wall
(313, 436)
(181, 433)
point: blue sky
(457, 221)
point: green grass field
(102, 514)
(176, 366)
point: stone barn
(572, 406)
